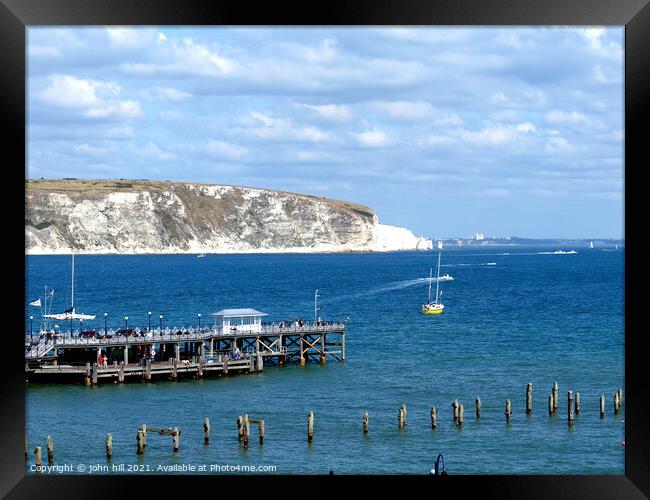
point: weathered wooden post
(94, 374)
(529, 398)
(50, 449)
(245, 431)
(147, 369)
(261, 430)
(87, 377)
(120, 375)
(139, 440)
(302, 351)
(434, 417)
(401, 419)
(478, 407)
(206, 430)
(602, 405)
(176, 438)
(240, 425)
(616, 403)
(555, 396)
(109, 445)
(454, 405)
(550, 404)
(174, 374)
(144, 435)
(577, 403)
(508, 410)
(37, 456)
(570, 407)
(310, 426)
(365, 422)
(461, 412)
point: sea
(513, 316)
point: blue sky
(446, 131)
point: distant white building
(479, 237)
(238, 320)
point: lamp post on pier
(31, 330)
(81, 327)
(149, 320)
(199, 322)
(126, 322)
(105, 327)
(316, 308)
(161, 318)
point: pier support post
(261, 430)
(323, 356)
(174, 374)
(401, 417)
(38, 459)
(454, 406)
(310, 426)
(246, 430)
(139, 441)
(602, 406)
(434, 417)
(144, 435)
(225, 365)
(343, 346)
(529, 398)
(550, 404)
(240, 425)
(206, 431)
(577, 403)
(120, 374)
(94, 374)
(508, 410)
(87, 377)
(251, 363)
(616, 403)
(461, 413)
(302, 351)
(177, 347)
(570, 407)
(50, 450)
(555, 396)
(147, 369)
(126, 355)
(108, 441)
(365, 420)
(200, 367)
(176, 439)
(478, 407)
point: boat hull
(434, 310)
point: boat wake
(470, 264)
(558, 252)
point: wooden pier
(171, 354)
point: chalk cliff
(98, 216)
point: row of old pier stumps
(244, 422)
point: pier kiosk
(234, 321)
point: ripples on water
(509, 320)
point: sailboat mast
(438, 277)
(430, 282)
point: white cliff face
(150, 217)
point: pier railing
(38, 345)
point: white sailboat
(70, 314)
(434, 307)
(591, 244)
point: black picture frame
(17, 15)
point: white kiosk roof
(238, 313)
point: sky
(445, 131)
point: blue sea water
(513, 315)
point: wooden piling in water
(365, 422)
(310, 426)
(620, 396)
(139, 441)
(206, 430)
(461, 412)
(550, 404)
(49, 444)
(245, 431)
(108, 441)
(555, 396)
(434, 417)
(120, 374)
(262, 430)
(478, 407)
(94, 373)
(144, 435)
(454, 405)
(240, 424)
(401, 417)
(87, 377)
(577, 403)
(508, 410)
(174, 374)
(176, 438)
(225, 366)
(37, 456)
(616, 403)
(602, 405)
(570, 407)
(529, 398)
(147, 369)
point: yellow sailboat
(434, 307)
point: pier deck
(175, 353)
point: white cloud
(558, 144)
(373, 138)
(97, 99)
(165, 94)
(334, 112)
(266, 126)
(225, 149)
(130, 37)
(151, 150)
(416, 111)
(497, 134)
